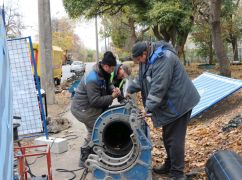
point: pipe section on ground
(223, 165)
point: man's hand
(127, 95)
(116, 93)
(117, 90)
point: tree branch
(156, 32)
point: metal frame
(38, 88)
(43, 117)
(21, 155)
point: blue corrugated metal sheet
(6, 135)
(213, 88)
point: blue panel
(115, 176)
(212, 89)
(146, 156)
(138, 172)
(99, 174)
(6, 135)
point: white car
(77, 66)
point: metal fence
(27, 99)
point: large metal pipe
(223, 165)
(116, 138)
(121, 145)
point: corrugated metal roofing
(212, 89)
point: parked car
(69, 61)
(77, 66)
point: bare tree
(14, 23)
(215, 11)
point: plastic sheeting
(212, 89)
(6, 135)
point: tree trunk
(180, 46)
(215, 10)
(235, 48)
(133, 36)
(142, 33)
(173, 35)
(156, 32)
(211, 61)
(165, 34)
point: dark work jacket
(93, 93)
(165, 87)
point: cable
(84, 174)
(59, 169)
(69, 171)
(34, 161)
(71, 135)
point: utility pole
(45, 47)
(97, 52)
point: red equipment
(20, 154)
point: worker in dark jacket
(93, 96)
(169, 95)
(118, 78)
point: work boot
(164, 169)
(85, 151)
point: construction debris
(234, 123)
(57, 124)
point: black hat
(138, 49)
(109, 59)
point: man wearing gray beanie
(93, 96)
(169, 96)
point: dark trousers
(174, 141)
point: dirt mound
(57, 124)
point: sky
(29, 10)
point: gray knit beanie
(138, 49)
